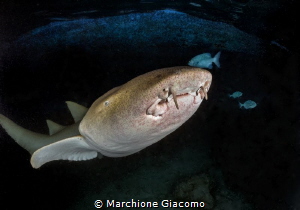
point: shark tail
(27, 139)
(216, 59)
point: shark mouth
(161, 105)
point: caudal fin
(27, 139)
(241, 105)
(216, 59)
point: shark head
(144, 110)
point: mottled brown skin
(143, 111)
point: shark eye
(164, 94)
(106, 103)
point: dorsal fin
(54, 127)
(77, 111)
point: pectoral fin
(73, 148)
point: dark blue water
(228, 157)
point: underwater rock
(197, 189)
(139, 31)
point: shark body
(123, 121)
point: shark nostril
(203, 92)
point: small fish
(236, 94)
(195, 4)
(59, 19)
(279, 45)
(205, 60)
(248, 104)
(85, 12)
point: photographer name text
(148, 204)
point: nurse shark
(123, 121)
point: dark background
(257, 150)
